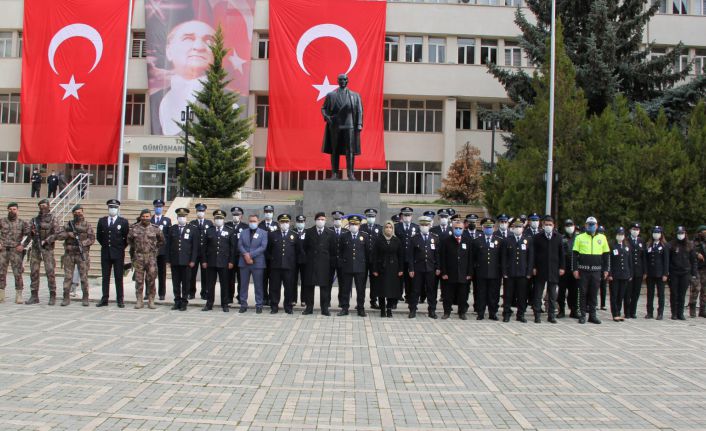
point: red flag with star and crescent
(73, 64)
(311, 43)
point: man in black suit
(181, 256)
(337, 230)
(456, 269)
(405, 230)
(218, 257)
(374, 230)
(283, 249)
(549, 266)
(202, 226)
(163, 222)
(300, 231)
(112, 234)
(423, 263)
(320, 252)
(52, 184)
(486, 270)
(236, 225)
(268, 225)
(517, 265)
(354, 256)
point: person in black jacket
(456, 269)
(237, 226)
(549, 266)
(283, 251)
(517, 261)
(682, 268)
(320, 256)
(202, 225)
(354, 258)
(423, 264)
(36, 180)
(657, 272)
(52, 184)
(218, 257)
(374, 230)
(163, 222)
(387, 267)
(638, 265)
(181, 257)
(486, 270)
(112, 233)
(568, 287)
(619, 273)
(405, 230)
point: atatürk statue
(343, 112)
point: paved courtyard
(80, 368)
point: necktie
(156, 221)
(425, 239)
(200, 223)
(319, 231)
(110, 221)
(181, 230)
(487, 241)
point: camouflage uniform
(697, 295)
(49, 231)
(145, 242)
(72, 256)
(12, 232)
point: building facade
(436, 84)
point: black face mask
(43, 210)
(472, 226)
(12, 216)
(145, 222)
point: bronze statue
(343, 113)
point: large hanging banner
(179, 33)
(311, 43)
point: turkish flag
(73, 62)
(311, 43)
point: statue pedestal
(351, 197)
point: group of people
(526, 258)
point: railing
(72, 194)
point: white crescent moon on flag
(76, 30)
(327, 30)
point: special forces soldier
(145, 240)
(12, 232)
(78, 238)
(698, 285)
(44, 229)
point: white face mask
(200, 214)
(371, 220)
(181, 221)
(444, 221)
(320, 223)
(517, 231)
(656, 236)
(503, 226)
(284, 226)
(407, 219)
(236, 219)
(219, 222)
(634, 233)
(570, 230)
(424, 229)
(681, 236)
(269, 216)
(548, 229)
(353, 229)
(300, 226)
(112, 212)
(337, 223)
(619, 238)
(534, 224)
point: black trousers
(589, 283)
(407, 283)
(278, 278)
(423, 282)
(515, 292)
(324, 296)
(233, 278)
(204, 278)
(162, 275)
(345, 283)
(632, 295)
(455, 292)
(617, 297)
(266, 287)
(474, 289)
(373, 287)
(568, 292)
(538, 293)
(35, 189)
(603, 290)
(117, 267)
(222, 275)
(488, 295)
(652, 284)
(387, 303)
(181, 275)
(678, 286)
(52, 192)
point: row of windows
(682, 7)
(14, 172)
(11, 44)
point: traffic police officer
(590, 261)
(182, 255)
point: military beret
(158, 203)
(182, 212)
(13, 204)
(620, 230)
(219, 213)
(430, 214)
(635, 225)
(145, 211)
(371, 212)
(681, 229)
(43, 201)
(534, 216)
(268, 208)
(406, 210)
(354, 219)
(319, 215)
(424, 220)
(200, 207)
(76, 207)
(301, 218)
(113, 203)
(284, 217)
(503, 217)
(337, 215)
(442, 213)
(236, 210)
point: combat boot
(67, 298)
(592, 318)
(139, 304)
(150, 302)
(692, 310)
(702, 312)
(18, 297)
(2, 296)
(33, 298)
(84, 300)
(52, 298)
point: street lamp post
(187, 116)
(550, 143)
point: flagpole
(121, 150)
(550, 143)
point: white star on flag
(71, 88)
(325, 88)
(237, 62)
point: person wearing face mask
(14, 236)
(200, 226)
(181, 256)
(444, 227)
(300, 231)
(387, 268)
(374, 230)
(163, 222)
(590, 261)
(657, 272)
(44, 231)
(218, 260)
(533, 225)
(36, 180)
(283, 251)
(682, 269)
(111, 233)
(603, 289)
(470, 231)
(423, 263)
(355, 257)
(698, 285)
(568, 285)
(405, 230)
(503, 226)
(423, 292)
(75, 231)
(620, 273)
(486, 270)
(549, 266)
(517, 262)
(338, 230)
(321, 260)
(252, 246)
(638, 264)
(455, 270)
(52, 184)
(237, 226)
(267, 224)
(145, 240)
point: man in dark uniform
(354, 256)
(163, 222)
(283, 250)
(486, 270)
(112, 233)
(530, 231)
(443, 229)
(52, 184)
(268, 225)
(237, 226)
(218, 259)
(343, 112)
(639, 271)
(405, 230)
(36, 180)
(503, 226)
(456, 269)
(374, 230)
(423, 293)
(181, 257)
(338, 230)
(201, 225)
(321, 254)
(300, 231)
(517, 264)
(423, 264)
(549, 264)
(568, 286)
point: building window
(13, 172)
(401, 115)
(411, 178)
(680, 7)
(484, 124)
(19, 44)
(98, 175)
(437, 50)
(10, 108)
(463, 115)
(135, 109)
(266, 180)
(662, 6)
(262, 111)
(700, 62)
(466, 51)
(513, 55)
(681, 63)
(139, 45)
(263, 46)
(392, 46)
(5, 44)
(515, 3)
(701, 7)
(489, 51)
(413, 49)
(658, 52)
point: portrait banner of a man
(179, 34)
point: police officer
(218, 260)
(444, 227)
(44, 231)
(268, 225)
(590, 262)
(145, 240)
(423, 292)
(182, 256)
(638, 265)
(549, 267)
(657, 251)
(13, 232)
(423, 263)
(52, 184)
(620, 273)
(503, 226)
(517, 259)
(77, 231)
(300, 231)
(405, 230)
(471, 232)
(603, 290)
(237, 225)
(321, 260)
(36, 180)
(112, 232)
(201, 226)
(283, 250)
(682, 269)
(374, 230)
(354, 256)
(568, 285)
(163, 222)
(455, 270)
(486, 270)
(533, 227)
(338, 231)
